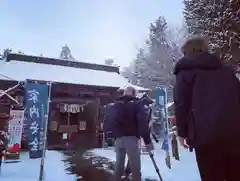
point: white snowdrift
(184, 170)
(28, 170)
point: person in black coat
(2, 152)
(207, 107)
(128, 121)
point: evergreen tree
(139, 68)
(153, 65)
(127, 72)
(5, 52)
(219, 21)
(231, 35)
(160, 59)
(135, 72)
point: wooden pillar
(96, 119)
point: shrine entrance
(68, 121)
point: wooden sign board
(82, 125)
(64, 136)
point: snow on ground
(28, 169)
(183, 170)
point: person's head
(129, 91)
(195, 44)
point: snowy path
(184, 170)
(28, 170)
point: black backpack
(119, 115)
(126, 114)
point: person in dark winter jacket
(207, 107)
(128, 121)
(2, 152)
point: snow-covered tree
(127, 72)
(66, 53)
(136, 71)
(231, 33)
(140, 69)
(161, 56)
(5, 52)
(219, 21)
(153, 65)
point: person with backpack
(207, 108)
(128, 120)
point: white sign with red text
(15, 129)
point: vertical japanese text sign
(161, 101)
(36, 110)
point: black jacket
(2, 149)
(207, 101)
(136, 124)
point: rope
(5, 92)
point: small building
(78, 93)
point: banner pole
(45, 119)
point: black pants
(218, 164)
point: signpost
(82, 125)
(45, 117)
(161, 103)
(15, 128)
(37, 107)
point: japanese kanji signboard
(15, 128)
(36, 112)
(161, 103)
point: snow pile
(184, 170)
(28, 170)
(59, 74)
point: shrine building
(78, 93)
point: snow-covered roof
(138, 88)
(20, 71)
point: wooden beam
(71, 100)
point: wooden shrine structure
(78, 93)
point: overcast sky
(94, 30)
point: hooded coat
(207, 101)
(133, 124)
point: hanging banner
(36, 112)
(15, 129)
(161, 103)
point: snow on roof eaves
(20, 71)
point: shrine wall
(83, 103)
